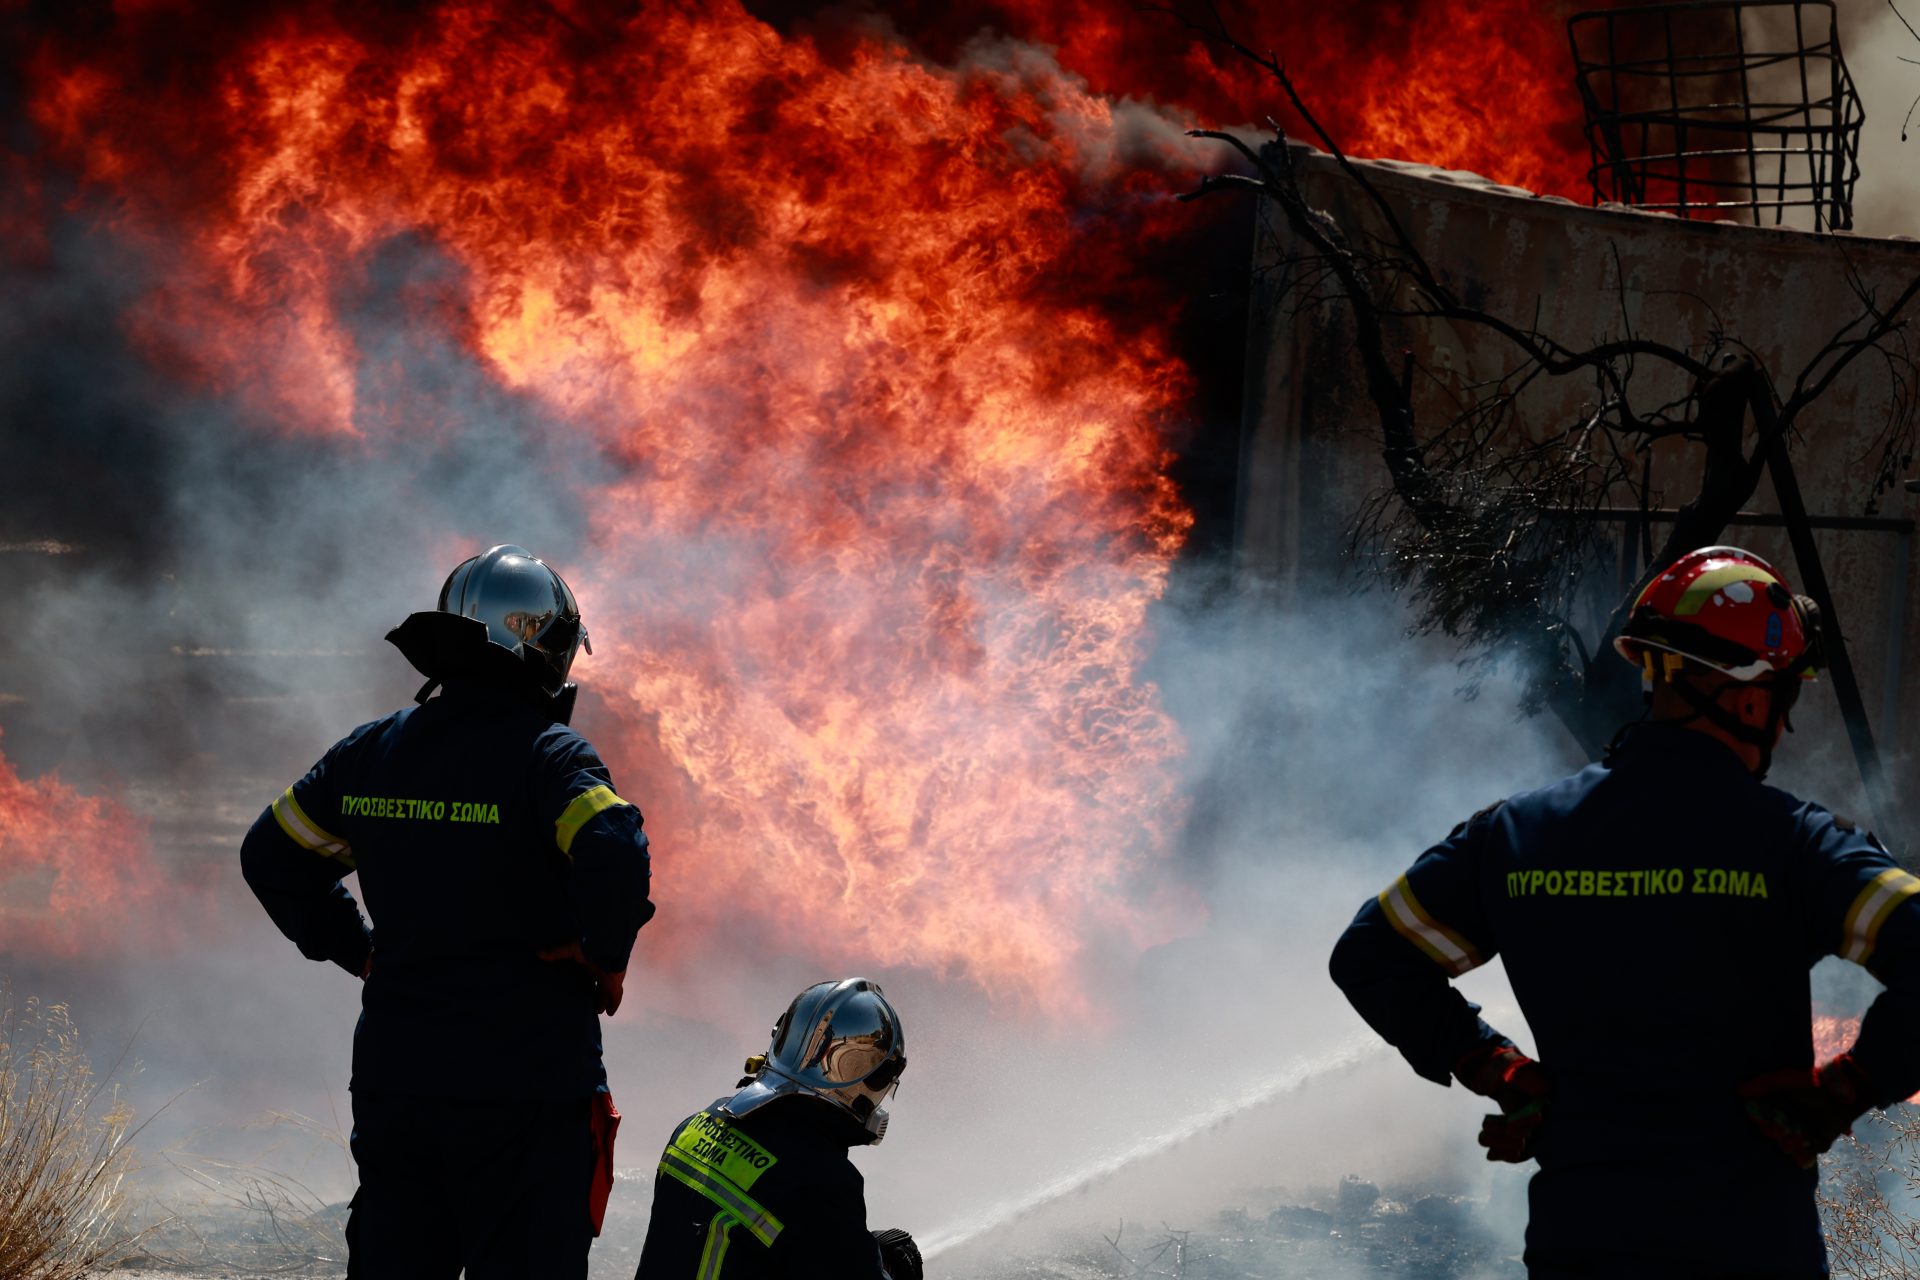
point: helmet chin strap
(1706, 706)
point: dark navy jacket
(770, 1195)
(483, 833)
(1657, 915)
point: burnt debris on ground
(1350, 1230)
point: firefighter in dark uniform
(507, 880)
(1658, 914)
(759, 1185)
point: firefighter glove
(608, 988)
(1805, 1112)
(1520, 1087)
(899, 1254)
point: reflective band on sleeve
(579, 812)
(1442, 945)
(714, 1255)
(307, 833)
(765, 1227)
(1861, 931)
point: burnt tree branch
(1477, 516)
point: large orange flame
(872, 583)
(853, 330)
(74, 868)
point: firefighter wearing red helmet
(1725, 611)
(1658, 914)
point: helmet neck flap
(447, 648)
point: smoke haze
(1887, 202)
(238, 446)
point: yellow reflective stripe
(1871, 907)
(765, 1227)
(1701, 589)
(307, 833)
(713, 1255)
(1442, 945)
(717, 1144)
(580, 812)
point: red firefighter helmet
(1726, 609)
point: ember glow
(1833, 1036)
(852, 333)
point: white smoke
(1887, 201)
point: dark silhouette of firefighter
(506, 879)
(1658, 914)
(759, 1183)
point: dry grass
(63, 1149)
(1872, 1234)
(250, 1217)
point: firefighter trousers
(498, 1188)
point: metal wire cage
(1728, 109)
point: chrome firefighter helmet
(838, 1041)
(504, 619)
(528, 610)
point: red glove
(1521, 1088)
(603, 1122)
(608, 988)
(1805, 1112)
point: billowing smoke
(865, 379)
(1877, 44)
(788, 361)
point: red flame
(871, 591)
(1486, 87)
(73, 868)
(862, 333)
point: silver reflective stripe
(1870, 911)
(306, 833)
(765, 1227)
(714, 1255)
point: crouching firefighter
(506, 879)
(1658, 914)
(759, 1183)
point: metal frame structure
(1692, 109)
(1888, 812)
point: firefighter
(1658, 914)
(507, 880)
(759, 1183)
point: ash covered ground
(1440, 1227)
(1332, 1168)
(1353, 1228)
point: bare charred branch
(1479, 518)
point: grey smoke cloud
(1887, 202)
(223, 627)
